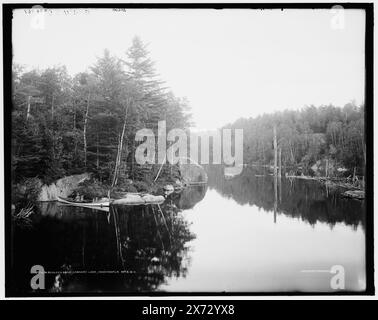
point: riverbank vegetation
(64, 125)
(325, 141)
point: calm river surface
(244, 234)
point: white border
(282, 297)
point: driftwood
(355, 194)
(138, 199)
(303, 177)
(352, 192)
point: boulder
(62, 187)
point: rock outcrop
(62, 187)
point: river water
(249, 233)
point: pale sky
(229, 63)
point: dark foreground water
(245, 234)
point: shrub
(92, 189)
(22, 217)
(26, 192)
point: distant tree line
(64, 125)
(307, 136)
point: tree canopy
(306, 136)
(64, 124)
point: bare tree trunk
(364, 150)
(326, 170)
(132, 162)
(275, 198)
(119, 151)
(53, 145)
(75, 150)
(292, 155)
(275, 149)
(74, 126)
(85, 131)
(52, 107)
(114, 181)
(74, 116)
(28, 109)
(97, 160)
(280, 162)
(161, 167)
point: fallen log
(138, 199)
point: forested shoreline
(325, 140)
(64, 125)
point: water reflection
(255, 234)
(248, 232)
(305, 199)
(124, 249)
(239, 248)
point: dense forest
(64, 125)
(308, 136)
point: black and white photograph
(188, 150)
